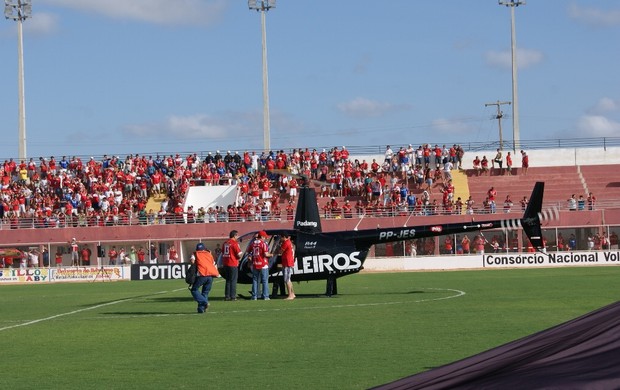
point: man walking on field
(204, 280)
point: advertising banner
(80, 274)
(158, 271)
(24, 275)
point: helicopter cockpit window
(274, 244)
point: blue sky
(142, 76)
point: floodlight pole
(262, 6)
(499, 117)
(20, 10)
(515, 98)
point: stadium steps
(154, 202)
(602, 180)
(461, 185)
(560, 183)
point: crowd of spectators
(579, 204)
(71, 192)
(114, 191)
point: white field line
(457, 293)
(75, 312)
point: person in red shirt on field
(288, 262)
(231, 254)
(260, 265)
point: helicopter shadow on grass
(145, 313)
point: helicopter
(330, 255)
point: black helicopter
(330, 255)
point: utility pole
(499, 117)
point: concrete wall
(538, 157)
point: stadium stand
(602, 180)
(560, 183)
(140, 189)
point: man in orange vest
(204, 280)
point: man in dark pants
(332, 285)
(278, 287)
(231, 254)
(204, 280)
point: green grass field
(382, 327)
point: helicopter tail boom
(530, 223)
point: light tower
(20, 10)
(262, 6)
(515, 98)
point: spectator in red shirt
(484, 165)
(509, 164)
(525, 162)
(86, 253)
(113, 255)
(141, 255)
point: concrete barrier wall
(493, 261)
(537, 157)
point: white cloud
(594, 16)
(365, 108)
(525, 58)
(598, 126)
(605, 105)
(451, 126)
(167, 12)
(41, 23)
(197, 126)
